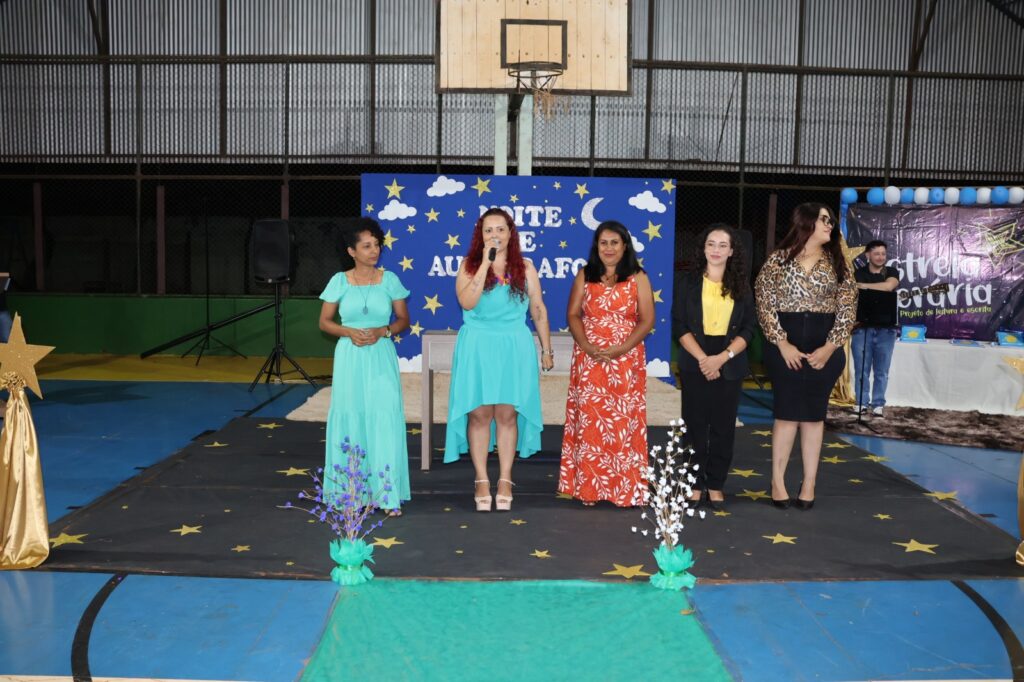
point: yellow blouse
(717, 309)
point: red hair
(515, 266)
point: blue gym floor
(95, 434)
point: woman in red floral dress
(611, 311)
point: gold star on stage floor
(834, 459)
(124, 506)
(482, 186)
(65, 539)
(721, 512)
(432, 304)
(460, 213)
(411, 229)
(581, 190)
(463, 526)
(557, 185)
(563, 244)
(216, 444)
(292, 471)
(21, 358)
(541, 553)
(1017, 364)
(915, 546)
(667, 186)
(517, 522)
(289, 563)
(452, 241)
(448, 509)
(951, 495)
(563, 496)
(657, 296)
(761, 433)
(837, 446)
(754, 494)
(653, 231)
(227, 511)
(745, 473)
(394, 189)
(187, 530)
(241, 548)
(514, 198)
(369, 208)
(766, 445)
(627, 572)
(271, 426)
(386, 543)
(389, 239)
(875, 458)
(432, 215)
(415, 329)
(406, 263)
(459, 551)
(779, 538)
(414, 432)
(856, 480)
(882, 517)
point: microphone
(493, 253)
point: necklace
(609, 279)
(366, 296)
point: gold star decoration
(65, 539)
(389, 239)
(369, 208)
(460, 213)
(289, 563)
(411, 229)
(779, 538)
(216, 444)
(627, 572)
(406, 263)
(1017, 364)
(721, 512)
(745, 473)
(1001, 240)
(754, 494)
(563, 244)
(563, 496)
(292, 471)
(452, 241)
(572, 220)
(761, 433)
(667, 186)
(653, 231)
(951, 495)
(386, 543)
(915, 546)
(271, 426)
(241, 548)
(482, 186)
(856, 480)
(834, 459)
(517, 522)
(875, 458)
(541, 553)
(657, 296)
(581, 190)
(415, 329)
(557, 185)
(186, 530)
(394, 189)
(766, 445)
(432, 304)
(837, 446)
(514, 198)
(882, 517)
(432, 215)
(21, 358)
(414, 432)
(850, 253)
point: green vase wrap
(351, 557)
(673, 564)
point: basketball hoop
(537, 79)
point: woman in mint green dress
(495, 389)
(366, 398)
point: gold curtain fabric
(24, 531)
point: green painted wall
(128, 325)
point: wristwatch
(731, 354)
(387, 332)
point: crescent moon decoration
(587, 214)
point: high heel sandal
(483, 502)
(503, 502)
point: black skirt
(802, 395)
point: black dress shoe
(781, 504)
(716, 505)
(803, 504)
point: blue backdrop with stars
(428, 223)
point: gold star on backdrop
(482, 186)
(541, 553)
(745, 473)
(187, 530)
(415, 329)
(754, 494)
(850, 253)
(779, 538)
(834, 459)
(653, 231)
(517, 522)
(514, 198)
(667, 186)
(21, 358)
(452, 241)
(292, 471)
(627, 572)
(882, 517)
(572, 220)
(386, 543)
(557, 185)
(657, 296)
(915, 546)
(271, 426)
(761, 433)
(460, 213)
(389, 239)
(837, 446)
(432, 215)
(241, 548)
(1001, 240)
(406, 263)
(432, 304)
(394, 189)
(875, 458)
(65, 539)
(951, 495)
(410, 229)
(1017, 364)
(581, 190)
(216, 444)
(369, 208)
(563, 244)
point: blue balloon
(968, 196)
(907, 195)
(1000, 195)
(936, 195)
(848, 196)
(876, 195)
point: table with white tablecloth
(939, 375)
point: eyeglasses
(826, 219)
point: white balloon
(892, 195)
(1017, 195)
(952, 196)
(921, 195)
(984, 195)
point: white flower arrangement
(672, 478)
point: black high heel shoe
(781, 504)
(803, 504)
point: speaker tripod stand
(272, 365)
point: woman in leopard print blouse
(807, 304)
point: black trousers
(709, 410)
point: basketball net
(537, 79)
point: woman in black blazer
(713, 317)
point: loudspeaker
(270, 251)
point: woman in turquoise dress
(366, 399)
(495, 389)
